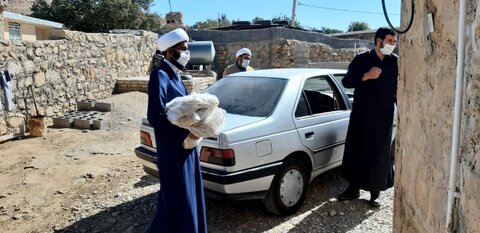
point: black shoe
(349, 194)
(373, 199)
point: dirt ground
(90, 181)
(46, 179)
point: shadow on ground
(145, 181)
(244, 216)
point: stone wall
(197, 83)
(2, 7)
(281, 53)
(73, 67)
(274, 33)
(425, 106)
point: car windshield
(248, 96)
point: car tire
(286, 195)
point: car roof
(288, 73)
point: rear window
(248, 96)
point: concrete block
(97, 124)
(103, 107)
(62, 122)
(85, 105)
(82, 123)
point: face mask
(245, 63)
(387, 49)
(184, 58)
(180, 58)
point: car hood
(233, 121)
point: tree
(220, 21)
(358, 26)
(257, 19)
(326, 30)
(288, 19)
(99, 15)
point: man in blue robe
(181, 203)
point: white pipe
(457, 116)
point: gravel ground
(79, 181)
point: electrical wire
(344, 10)
(412, 15)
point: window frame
(337, 96)
(14, 31)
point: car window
(302, 107)
(248, 96)
(348, 91)
(319, 96)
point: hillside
(20, 6)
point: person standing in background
(242, 63)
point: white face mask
(184, 58)
(245, 63)
(387, 49)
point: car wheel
(288, 189)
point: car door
(321, 117)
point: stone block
(62, 122)
(85, 105)
(97, 124)
(82, 123)
(103, 107)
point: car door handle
(309, 135)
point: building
(21, 27)
(174, 20)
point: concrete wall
(43, 33)
(237, 36)
(28, 32)
(75, 67)
(425, 106)
(282, 53)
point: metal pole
(294, 8)
(170, 4)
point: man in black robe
(367, 161)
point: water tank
(201, 52)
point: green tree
(99, 15)
(257, 19)
(358, 26)
(220, 21)
(288, 19)
(326, 30)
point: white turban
(172, 38)
(242, 51)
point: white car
(283, 128)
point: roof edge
(31, 20)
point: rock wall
(73, 67)
(425, 106)
(2, 7)
(275, 33)
(198, 83)
(281, 53)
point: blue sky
(314, 15)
